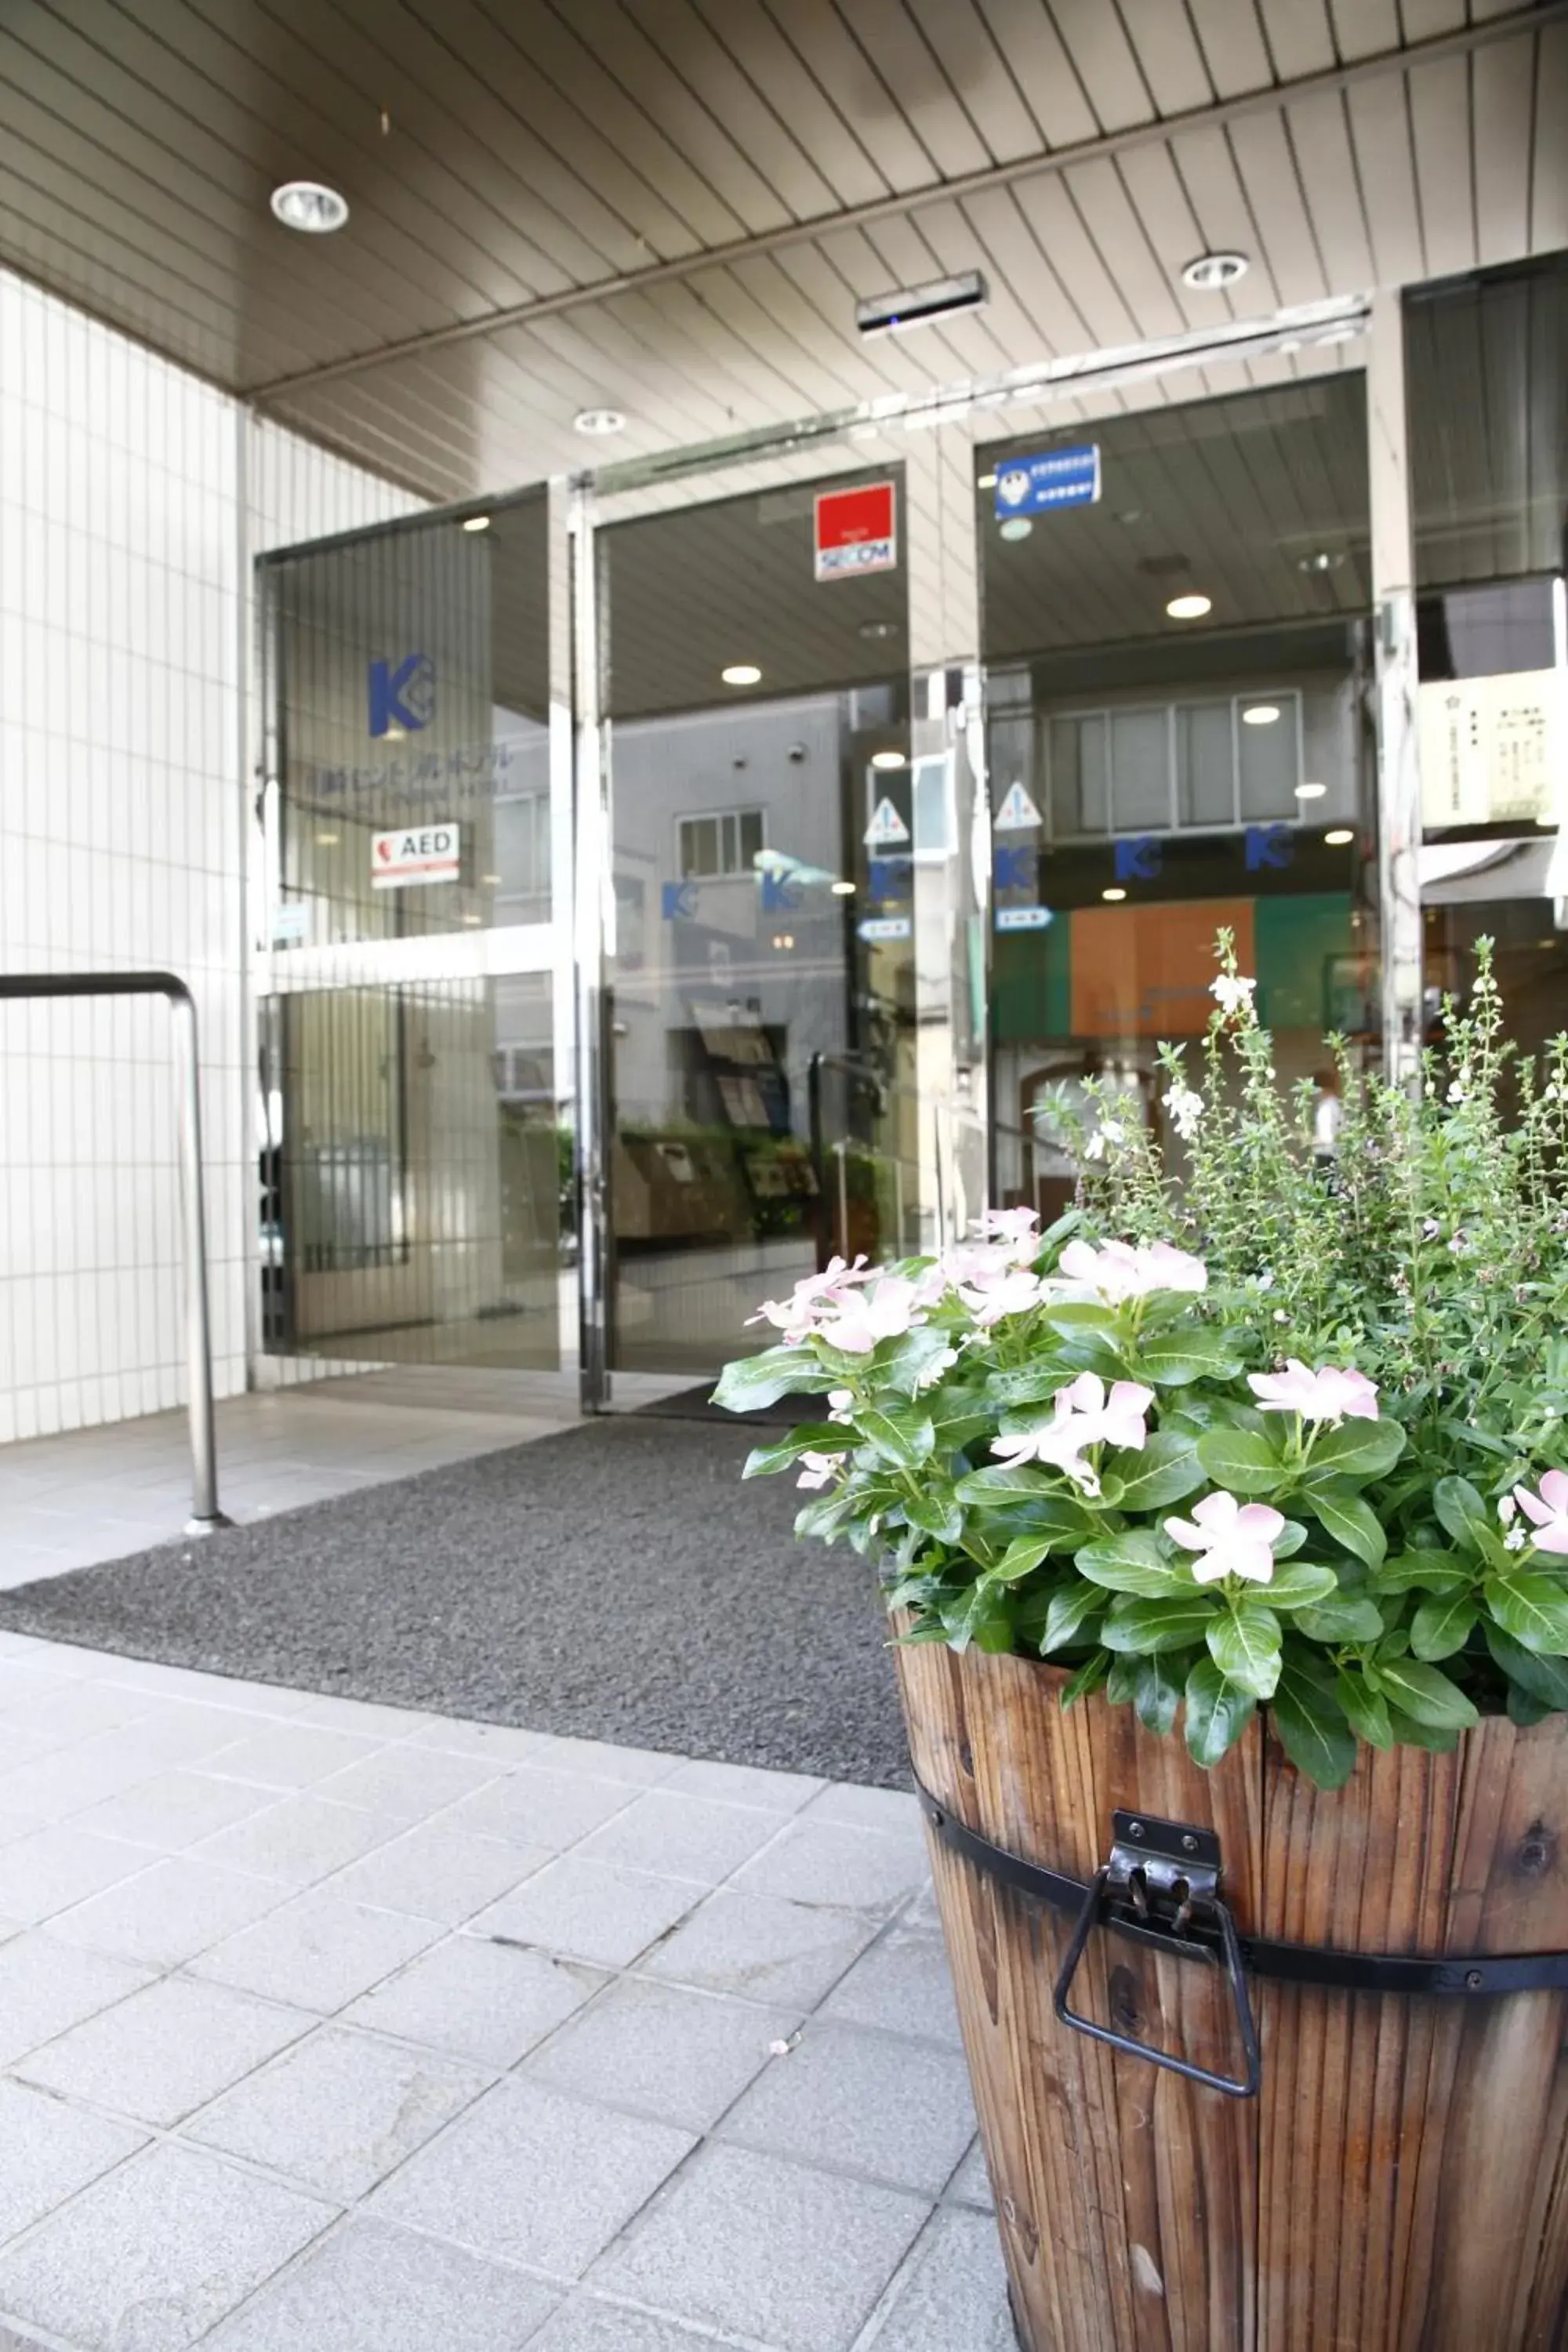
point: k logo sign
(403, 698)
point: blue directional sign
(1140, 858)
(1268, 845)
(885, 927)
(1056, 478)
(1015, 869)
(680, 902)
(1025, 918)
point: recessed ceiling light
(1310, 792)
(311, 206)
(876, 631)
(1321, 559)
(326, 841)
(1341, 837)
(888, 759)
(598, 422)
(1016, 527)
(1189, 608)
(1211, 272)
(473, 918)
(844, 890)
(1260, 714)
(741, 674)
(492, 879)
(1131, 515)
(1113, 894)
(476, 522)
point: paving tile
(681, 1836)
(971, 2184)
(682, 2056)
(534, 2178)
(590, 1910)
(540, 1807)
(166, 2050)
(177, 1730)
(317, 1950)
(51, 1868)
(761, 1948)
(49, 2151)
(746, 1784)
(366, 1717)
(299, 1840)
(602, 1760)
(951, 2295)
(148, 2259)
(895, 1811)
(504, 1741)
(903, 1983)
(173, 1812)
(899, 2110)
(406, 1782)
(292, 1755)
(170, 1912)
(75, 1712)
(480, 2000)
(586, 2324)
(793, 2257)
(47, 1987)
(827, 1862)
(55, 1784)
(440, 1873)
(373, 2288)
(340, 2111)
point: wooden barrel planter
(1398, 2181)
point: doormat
(615, 1581)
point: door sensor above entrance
(918, 306)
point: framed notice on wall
(1492, 749)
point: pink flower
(886, 1311)
(798, 1314)
(817, 1469)
(1083, 1416)
(1548, 1511)
(1235, 1538)
(1013, 1294)
(1328, 1394)
(1122, 1270)
(1016, 1229)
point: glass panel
(1080, 802)
(1266, 746)
(1139, 771)
(762, 1035)
(413, 1170)
(1205, 763)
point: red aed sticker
(855, 531)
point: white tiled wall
(130, 496)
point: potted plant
(1225, 1528)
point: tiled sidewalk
(328, 2028)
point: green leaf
(954, 1425)
(1425, 1694)
(1342, 1514)
(827, 1516)
(1462, 1512)
(903, 1435)
(1359, 1449)
(1439, 1627)
(1173, 1357)
(1532, 1608)
(1147, 1625)
(812, 1437)
(1290, 1539)
(752, 1382)
(1242, 1462)
(1245, 1645)
(1166, 1470)
(1216, 1715)
(1306, 1714)
(1439, 1739)
(1366, 1709)
(1027, 1383)
(1089, 1677)
(899, 1362)
(996, 1483)
(1121, 1682)
(1524, 1710)
(1129, 1562)
(1073, 1607)
(1022, 1556)
(1425, 1572)
(935, 1515)
(1075, 1315)
(1298, 1584)
(1156, 1694)
(1349, 1617)
(1546, 1679)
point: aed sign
(415, 852)
(855, 531)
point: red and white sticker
(415, 852)
(855, 531)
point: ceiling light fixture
(741, 674)
(1114, 894)
(1189, 608)
(326, 841)
(844, 890)
(876, 632)
(1211, 273)
(1260, 714)
(476, 522)
(889, 760)
(1322, 559)
(917, 306)
(1341, 837)
(596, 423)
(308, 205)
(1310, 792)
(1016, 527)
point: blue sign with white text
(1025, 918)
(1056, 478)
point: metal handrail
(205, 1512)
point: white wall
(125, 526)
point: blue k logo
(1139, 860)
(1268, 844)
(403, 697)
(780, 894)
(679, 902)
(1015, 869)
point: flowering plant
(1298, 1443)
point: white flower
(817, 1469)
(1281, 1316)
(1430, 1229)
(1508, 1510)
(1235, 1538)
(1122, 1270)
(1232, 993)
(886, 1311)
(936, 1367)
(814, 1295)
(1325, 1395)
(1016, 1228)
(1186, 1109)
(1013, 1295)
(1084, 1416)
(840, 1404)
(1457, 1093)
(1109, 1132)
(1515, 1540)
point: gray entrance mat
(616, 1582)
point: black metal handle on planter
(1162, 1885)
